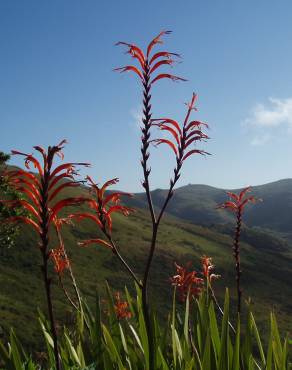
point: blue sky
(56, 81)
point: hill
(266, 262)
(197, 203)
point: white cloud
(277, 112)
(266, 117)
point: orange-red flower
(121, 307)
(40, 190)
(103, 206)
(182, 135)
(186, 282)
(60, 259)
(150, 63)
(237, 202)
(207, 268)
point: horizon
(57, 82)
(228, 188)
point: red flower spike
(103, 206)
(121, 308)
(236, 204)
(207, 268)
(184, 136)
(186, 282)
(146, 65)
(39, 191)
(61, 261)
(239, 200)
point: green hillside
(197, 203)
(266, 265)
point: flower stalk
(236, 204)
(39, 192)
(188, 134)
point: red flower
(149, 64)
(121, 308)
(207, 268)
(60, 259)
(237, 202)
(40, 190)
(103, 206)
(182, 135)
(186, 282)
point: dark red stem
(236, 253)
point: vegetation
(127, 333)
(7, 232)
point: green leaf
(71, 350)
(186, 321)
(16, 356)
(224, 343)
(215, 337)
(258, 339)
(206, 364)
(112, 349)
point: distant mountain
(197, 203)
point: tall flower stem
(146, 171)
(122, 260)
(45, 254)
(148, 64)
(237, 204)
(39, 200)
(236, 254)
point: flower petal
(166, 75)
(156, 40)
(195, 151)
(85, 243)
(82, 216)
(163, 54)
(171, 130)
(67, 184)
(66, 203)
(130, 68)
(107, 184)
(160, 63)
(165, 141)
(170, 121)
(67, 166)
(194, 124)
